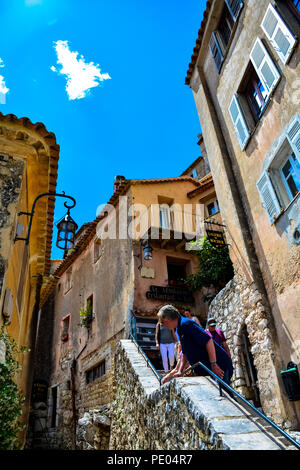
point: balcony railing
(163, 222)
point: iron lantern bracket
(31, 214)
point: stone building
(244, 75)
(28, 167)
(118, 292)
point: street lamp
(66, 226)
(147, 248)
(148, 251)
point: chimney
(118, 180)
(203, 153)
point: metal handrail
(230, 389)
(149, 363)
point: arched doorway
(249, 369)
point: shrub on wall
(215, 267)
(11, 399)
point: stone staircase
(186, 413)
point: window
(68, 282)
(176, 272)
(65, 327)
(279, 184)
(294, 6)
(96, 372)
(194, 173)
(212, 208)
(54, 406)
(220, 38)
(97, 249)
(277, 32)
(255, 93)
(164, 216)
(290, 172)
(260, 79)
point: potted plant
(86, 314)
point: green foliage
(87, 314)
(11, 399)
(215, 266)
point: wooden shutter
(268, 197)
(293, 134)
(216, 51)
(239, 122)
(278, 34)
(264, 66)
(234, 6)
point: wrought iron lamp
(66, 232)
(66, 226)
(147, 248)
(148, 251)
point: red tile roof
(198, 42)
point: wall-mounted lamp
(147, 248)
(148, 251)
(66, 226)
(66, 232)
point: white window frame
(237, 116)
(284, 179)
(272, 187)
(265, 61)
(277, 29)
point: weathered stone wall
(186, 413)
(237, 306)
(11, 172)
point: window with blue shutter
(293, 135)
(278, 34)
(220, 38)
(235, 7)
(238, 120)
(279, 186)
(264, 66)
(268, 197)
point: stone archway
(239, 308)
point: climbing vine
(11, 399)
(215, 267)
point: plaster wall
(232, 168)
(158, 276)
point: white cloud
(81, 76)
(3, 88)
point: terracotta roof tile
(198, 42)
(90, 232)
(205, 183)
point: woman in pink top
(217, 335)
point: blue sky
(140, 121)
